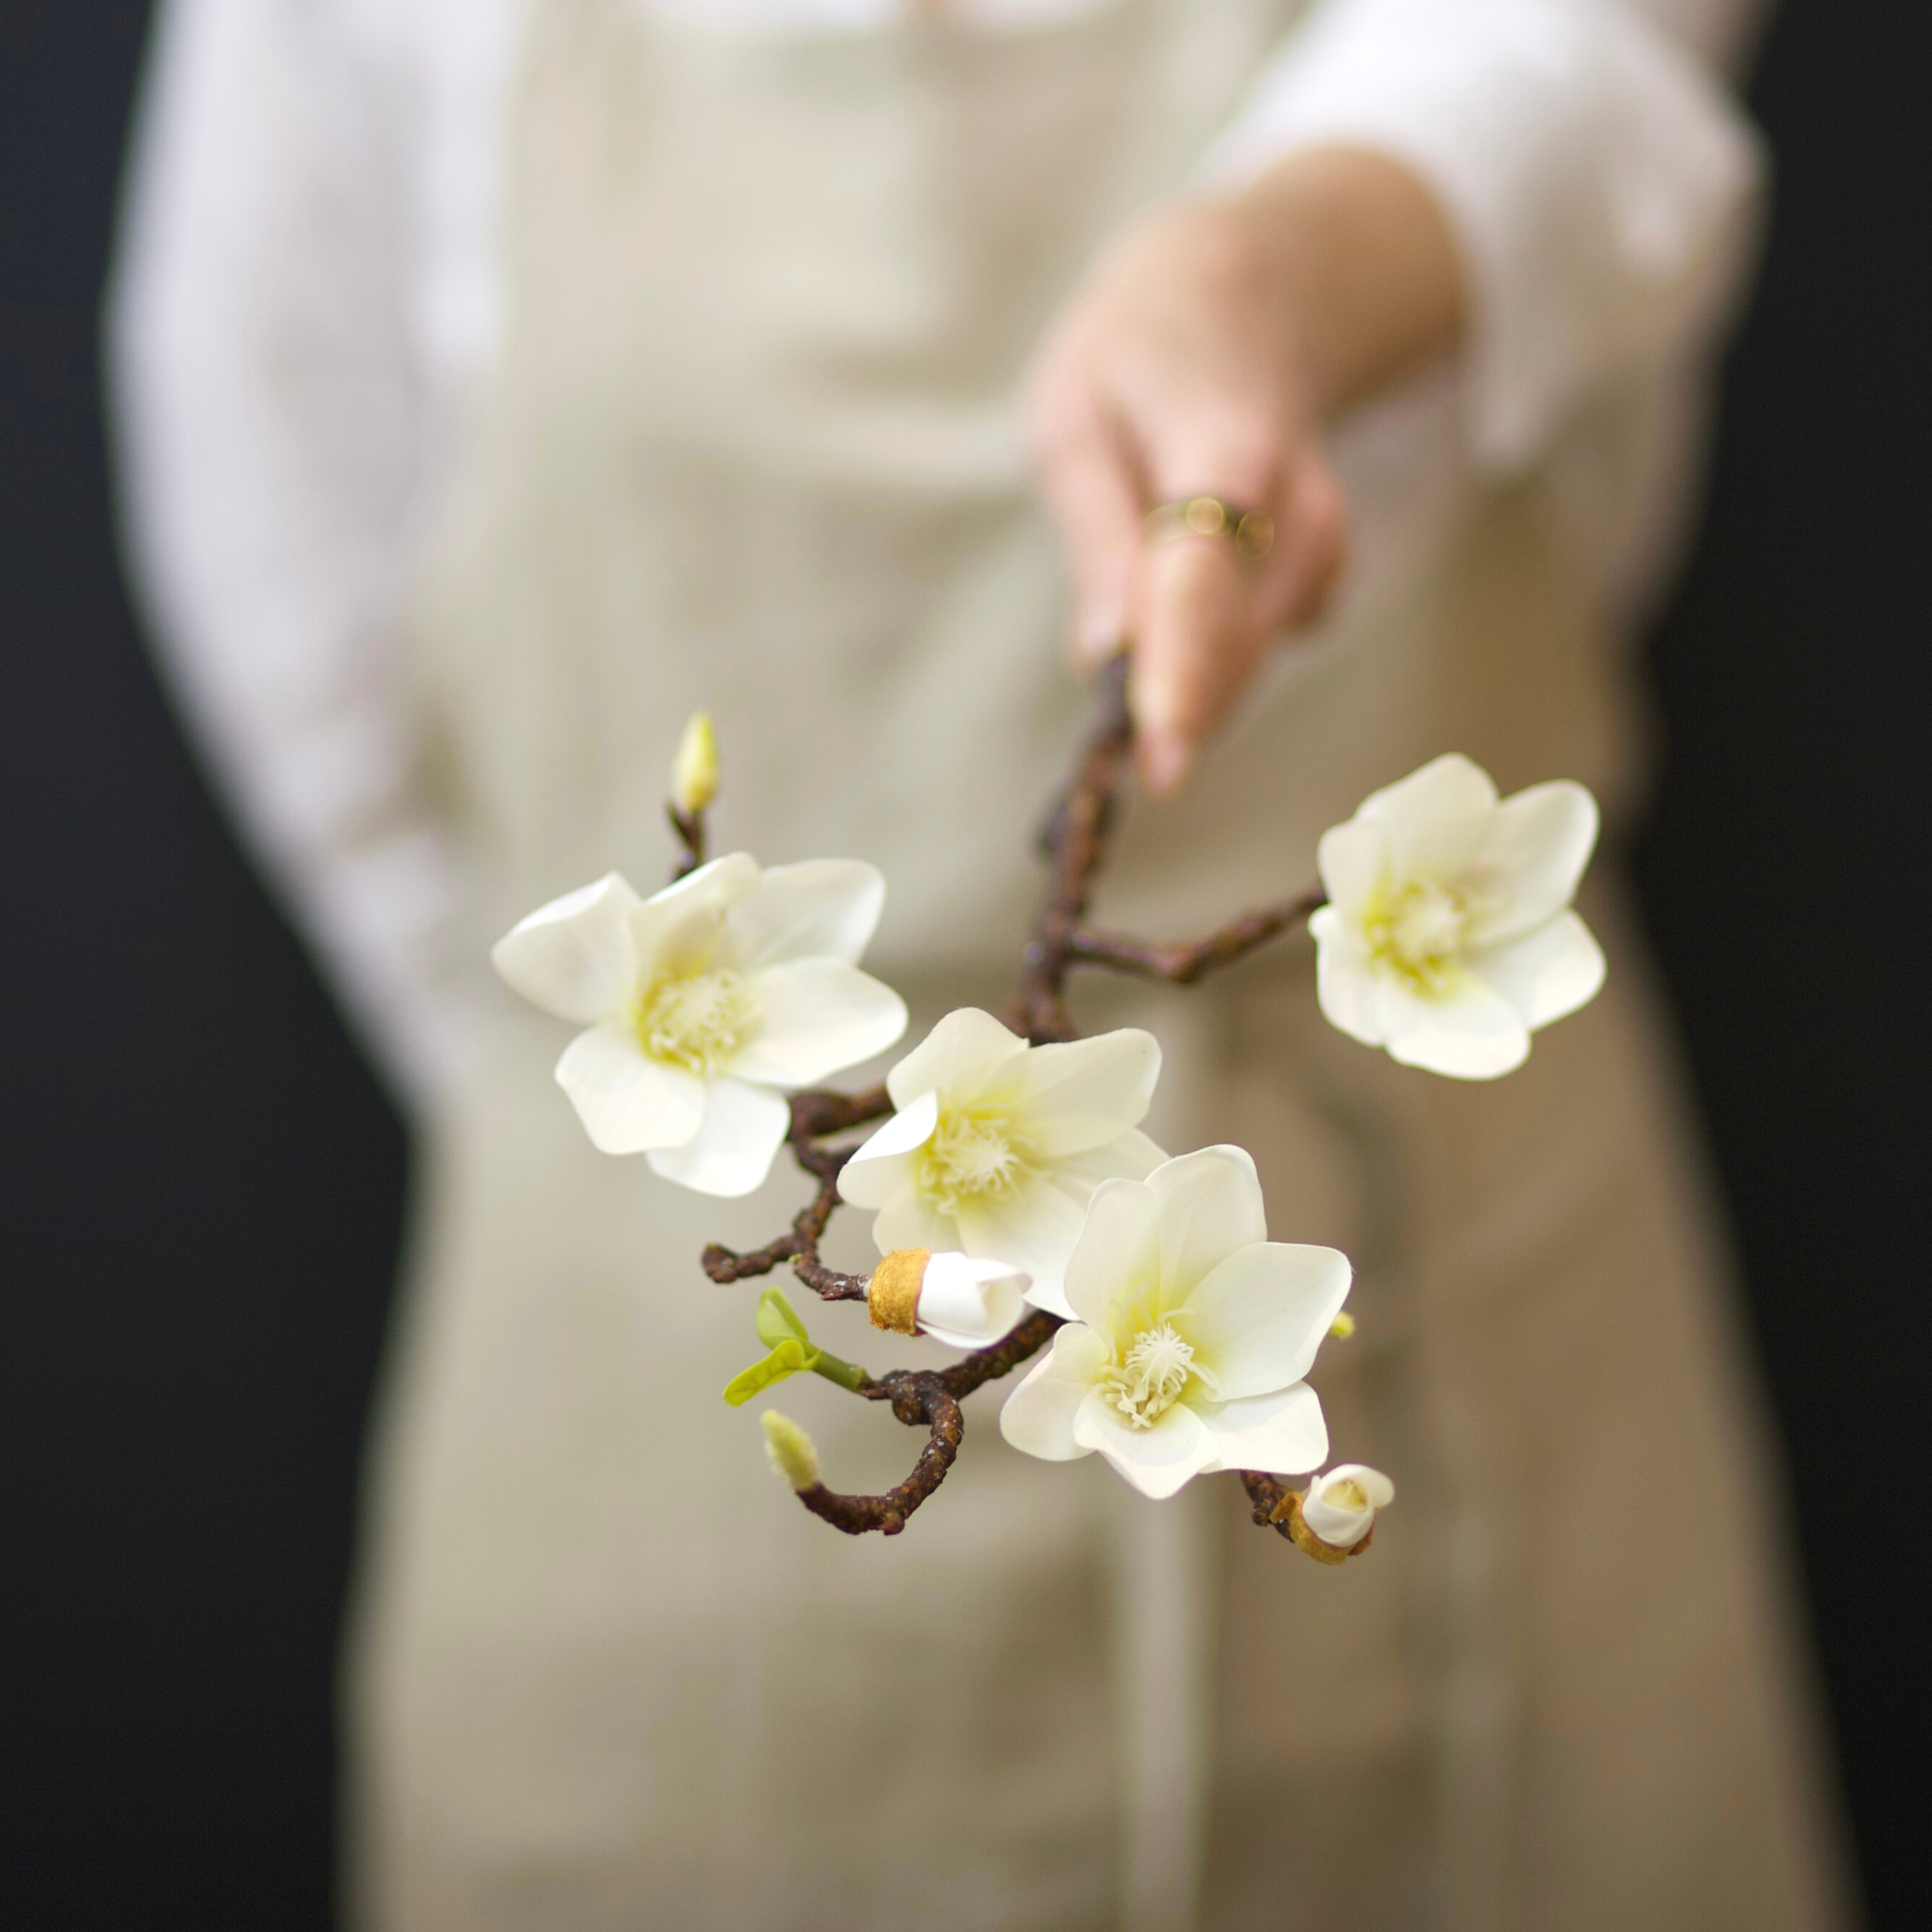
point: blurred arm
(269, 416)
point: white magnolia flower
(705, 1004)
(954, 1299)
(1193, 1333)
(997, 1146)
(1340, 1507)
(1448, 936)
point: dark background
(201, 1186)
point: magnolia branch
(1075, 842)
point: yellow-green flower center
(974, 1157)
(1152, 1377)
(699, 1022)
(1418, 932)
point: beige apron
(753, 446)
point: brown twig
(1184, 962)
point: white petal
(1470, 1034)
(1129, 1156)
(574, 958)
(1283, 1433)
(1544, 974)
(1081, 1093)
(1353, 862)
(910, 1221)
(817, 1015)
(1335, 1516)
(628, 1102)
(1345, 978)
(878, 1172)
(1117, 1257)
(968, 1303)
(1539, 843)
(1211, 1204)
(1039, 1415)
(1159, 1461)
(956, 1059)
(743, 1128)
(711, 888)
(825, 908)
(1436, 819)
(1257, 1321)
(1034, 1228)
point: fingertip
(1099, 634)
(1163, 760)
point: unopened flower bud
(964, 1302)
(694, 772)
(1342, 1326)
(789, 1450)
(1339, 1510)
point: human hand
(1200, 357)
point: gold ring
(1251, 531)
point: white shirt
(308, 289)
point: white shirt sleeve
(270, 420)
(1602, 185)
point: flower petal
(1081, 1093)
(968, 1303)
(1353, 860)
(743, 1128)
(1211, 1204)
(1039, 1415)
(1258, 1320)
(877, 1171)
(1539, 843)
(1345, 977)
(1283, 1433)
(1470, 1034)
(710, 888)
(1436, 819)
(628, 1102)
(1129, 1156)
(825, 908)
(818, 1015)
(1331, 1511)
(909, 1220)
(574, 958)
(955, 1059)
(1035, 1228)
(1544, 974)
(1116, 1259)
(1159, 1461)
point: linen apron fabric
(753, 446)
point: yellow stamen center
(699, 1022)
(1418, 932)
(1152, 1377)
(974, 1157)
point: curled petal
(731, 1153)
(683, 906)
(1080, 1094)
(1438, 817)
(574, 958)
(818, 1015)
(877, 1171)
(1544, 974)
(825, 908)
(628, 1102)
(1039, 1415)
(968, 1303)
(956, 1059)
(1340, 1507)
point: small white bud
(694, 772)
(789, 1450)
(968, 1303)
(1340, 1507)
